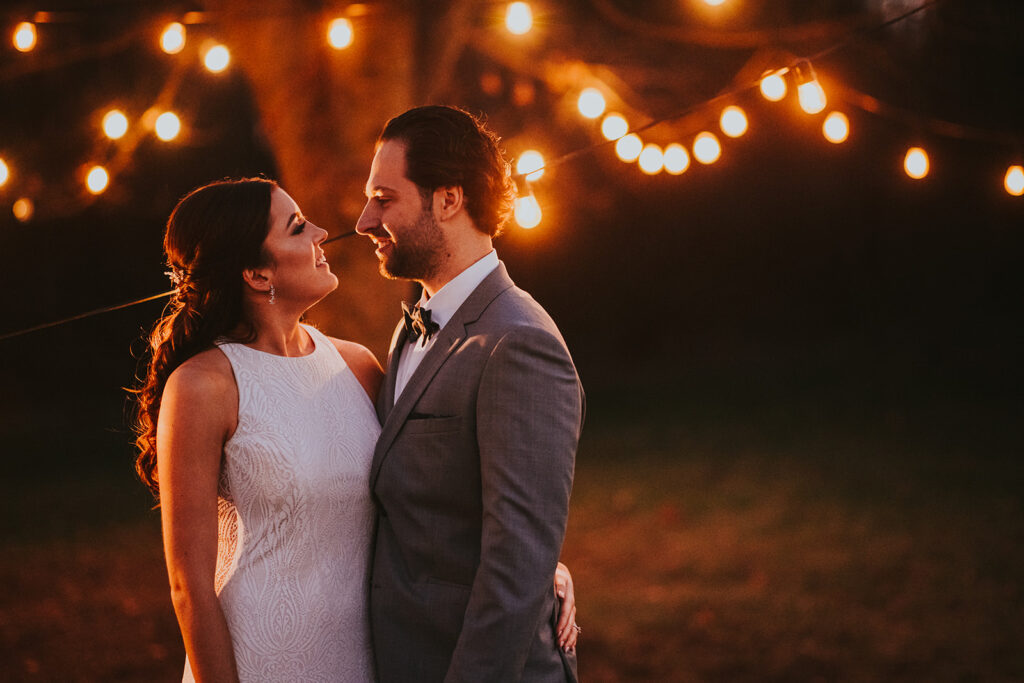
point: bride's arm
(566, 594)
(197, 415)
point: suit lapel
(449, 339)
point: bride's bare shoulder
(363, 363)
(206, 372)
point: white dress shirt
(442, 306)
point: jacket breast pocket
(432, 425)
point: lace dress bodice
(296, 519)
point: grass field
(767, 547)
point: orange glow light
(915, 163)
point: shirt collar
(447, 300)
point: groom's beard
(418, 251)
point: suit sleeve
(529, 415)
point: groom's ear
(448, 201)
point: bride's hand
(568, 632)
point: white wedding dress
(296, 519)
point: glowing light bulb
(628, 147)
(97, 179)
(591, 103)
(24, 38)
(677, 159)
(706, 148)
(836, 127)
(614, 126)
(915, 163)
(217, 58)
(773, 85)
(530, 164)
(339, 33)
(5, 173)
(527, 211)
(167, 126)
(172, 40)
(115, 124)
(518, 18)
(808, 90)
(1014, 182)
(714, 3)
(23, 209)
(733, 121)
(652, 159)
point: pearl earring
(272, 298)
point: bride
(261, 454)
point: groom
(481, 411)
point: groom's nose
(369, 219)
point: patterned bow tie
(418, 323)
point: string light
(915, 163)
(714, 3)
(217, 58)
(733, 121)
(530, 164)
(628, 147)
(527, 211)
(811, 94)
(97, 179)
(652, 159)
(614, 126)
(24, 38)
(591, 103)
(1014, 181)
(677, 159)
(836, 127)
(167, 126)
(172, 40)
(773, 85)
(339, 33)
(115, 124)
(5, 173)
(518, 18)
(23, 210)
(706, 148)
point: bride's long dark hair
(214, 233)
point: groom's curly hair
(447, 146)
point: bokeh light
(628, 147)
(677, 159)
(24, 37)
(836, 127)
(339, 33)
(23, 209)
(167, 126)
(217, 58)
(591, 103)
(530, 164)
(733, 121)
(706, 148)
(652, 159)
(115, 124)
(773, 85)
(1014, 181)
(518, 18)
(614, 126)
(714, 3)
(527, 212)
(915, 163)
(97, 179)
(172, 40)
(5, 173)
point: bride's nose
(319, 234)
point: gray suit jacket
(471, 477)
